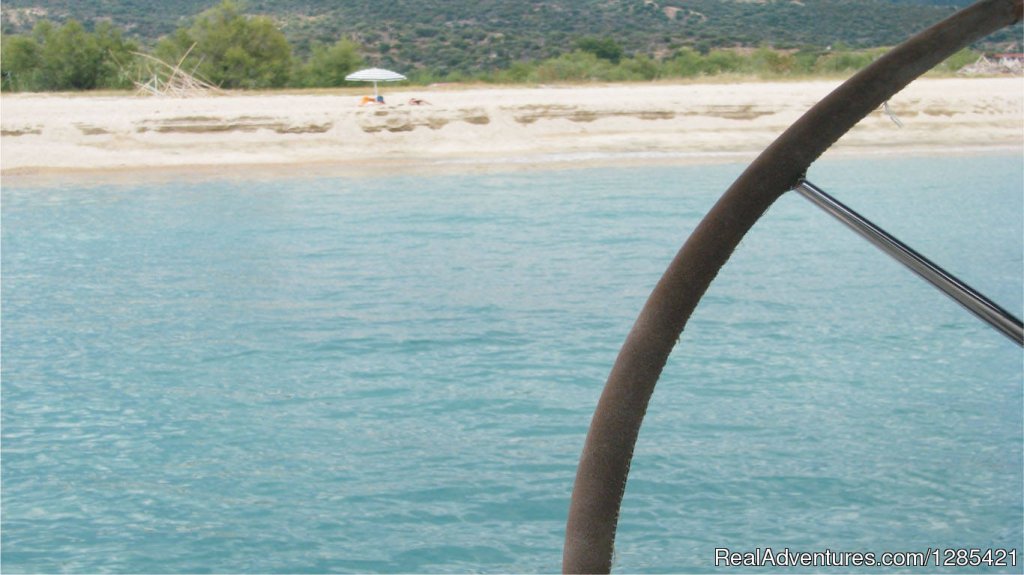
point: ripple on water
(396, 375)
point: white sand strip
(54, 133)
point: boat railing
(608, 451)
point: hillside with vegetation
(273, 43)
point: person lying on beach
(418, 102)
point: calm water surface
(397, 374)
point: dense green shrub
(605, 48)
(767, 62)
(328, 65)
(19, 63)
(840, 61)
(67, 57)
(722, 62)
(686, 63)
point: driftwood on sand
(163, 79)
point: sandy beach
(56, 133)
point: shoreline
(470, 129)
(33, 177)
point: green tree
(67, 58)
(231, 49)
(328, 65)
(19, 62)
(70, 58)
(119, 65)
(604, 48)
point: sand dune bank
(46, 133)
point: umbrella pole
(375, 90)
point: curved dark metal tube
(604, 462)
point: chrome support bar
(962, 293)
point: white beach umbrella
(374, 75)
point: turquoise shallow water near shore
(396, 374)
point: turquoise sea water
(396, 374)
